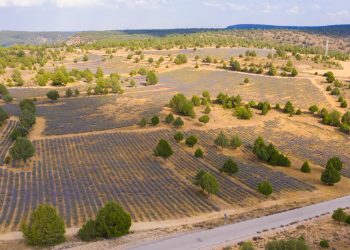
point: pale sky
(74, 15)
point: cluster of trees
(46, 227)
(269, 154)
(224, 142)
(227, 101)
(331, 174)
(23, 149)
(181, 105)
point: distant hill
(8, 38)
(335, 30)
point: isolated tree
(330, 77)
(143, 122)
(178, 122)
(191, 141)
(45, 227)
(265, 188)
(155, 120)
(23, 149)
(180, 59)
(305, 168)
(289, 108)
(330, 176)
(163, 149)
(235, 142)
(69, 92)
(53, 95)
(230, 167)
(112, 221)
(313, 109)
(198, 153)
(207, 182)
(294, 72)
(151, 78)
(336, 163)
(204, 119)
(178, 136)
(169, 118)
(222, 140)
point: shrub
(288, 244)
(289, 108)
(206, 181)
(27, 118)
(3, 116)
(344, 104)
(207, 110)
(313, 109)
(112, 221)
(329, 88)
(163, 149)
(45, 227)
(69, 92)
(346, 118)
(169, 118)
(345, 128)
(178, 136)
(247, 246)
(243, 113)
(143, 122)
(265, 188)
(330, 176)
(230, 167)
(178, 122)
(278, 106)
(191, 141)
(340, 99)
(330, 77)
(196, 101)
(332, 119)
(246, 80)
(335, 91)
(222, 140)
(23, 149)
(198, 153)
(76, 92)
(88, 231)
(206, 94)
(235, 65)
(324, 244)
(7, 98)
(336, 163)
(339, 215)
(181, 105)
(27, 104)
(180, 59)
(151, 78)
(155, 120)
(305, 168)
(204, 119)
(53, 95)
(294, 72)
(235, 142)
(298, 112)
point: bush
(27, 118)
(163, 149)
(235, 142)
(324, 244)
(289, 108)
(329, 88)
(339, 215)
(181, 105)
(69, 92)
(330, 176)
(169, 118)
(53, 95)
(230, 167)
(206, 181)
(7, 98)
(243, 113)
(305, 168)
(335, 162)
(112, 221)
(151, 78)
(247, 246)
(191, 141)
(45, 227)
(3, 116)
(344, 104)
(332, 119)
(298, 112)
(207, 110)
(76, 92)
(143, 122)
(222, 140)
(198, 153)
(23, 149)
(204, 119)
(278, 106)
(313, 109)
(155, 120)
(330, 77)
(346, 118)
(178, 122)
(289, 244)
(340, 99)
(196, 101)
(180, 59)
(345, 128)
(27, 104)
(178, 136)
(335, 91)
(265, 188)
(88, 231)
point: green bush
(196, 101)
(88, 231)
(169, 118)
(345, 128)
(332, 119)
(207, 110)
(344, 104)
(151, 78)
(289, 244)
(243, 113)
(178, 122)
(69, 93)
(155, 120)
(178, 136)
(180, 59)
(181, 105)
(265, 188)
(230, 167)
(207, 182)
(112, 221)
(53, 95)
(335, 162)
(235, 142)
(22, 149)
(45, 227)
(335, 91)
(3, 116)
(163, 149)
(222, 141)
(204, 119)
(339, 215)
(7, 98)
(330, 176)
(247, 246)
(305, 168)
(324, 244)
(313, 109)
(330, 77)
(298, 112)
(289, 108)
(198, 153)
(143, 122)
(191, 141)
(346, 118)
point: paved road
(233, 233)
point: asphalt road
(233, 233)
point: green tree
(27, 118)
(169, 118)
(265, 188)
(143, 122)
(155, 120)
(88, 231)
(178, 136)
(339, 215)
(330, 176)
(163, 149)
(112, 221)
(151, 78)
(235, 142)
(235, 65)
(198, 153)
(336, 163)
(289, 108)
(69, 93)
(243, 113)
(181, 105)
(294, 72)
(180, 59)
(45, 227)
(191, 141)
(305, 168)
(330, 77)
(204, 119)
(247, 246)
(222, 140)
(178, 122)
(313, 109)
(287, 244)
(230, 167)
(52, 95)
(207, 182)
(23, 149)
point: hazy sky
(72, 15)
